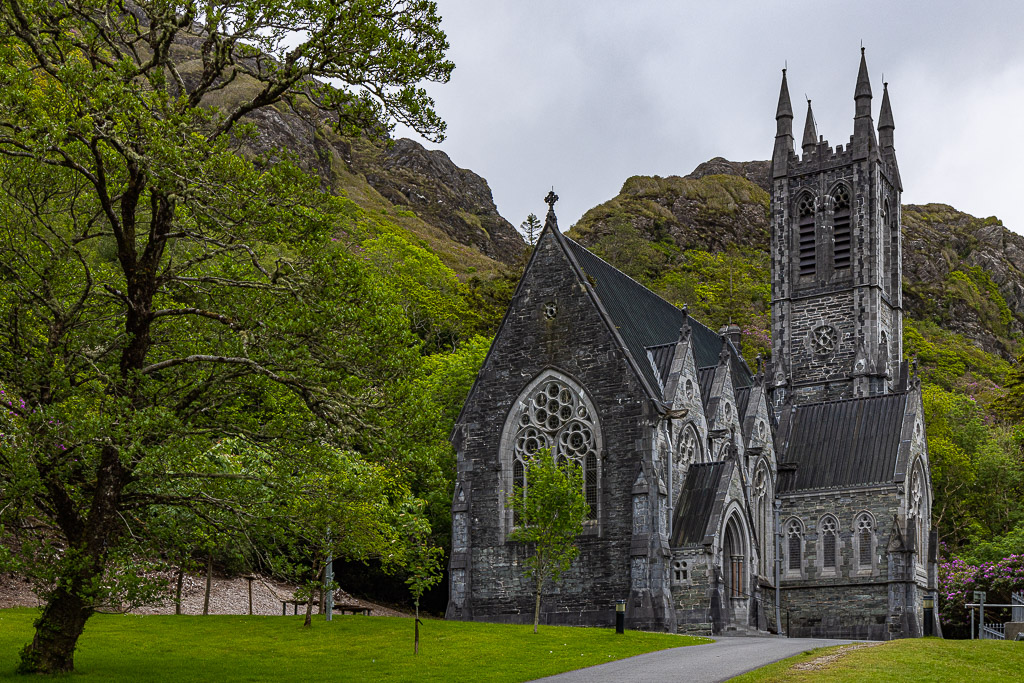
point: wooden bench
(343, 607)
(351, 607)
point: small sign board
(979, 597)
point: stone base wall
(859, 611)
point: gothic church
(722, 498)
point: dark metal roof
(706, 379)
(697, 502)
(661, 357)
(643, 318)
(850, 442)
(742, 399)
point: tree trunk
(536, 605)
(209, 580)
(312, 594)
(416, 638)
(53, 647)
(177, 590)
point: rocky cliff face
(962, 272)
(451, 209)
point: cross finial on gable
(551, 199)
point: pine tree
(531, 228)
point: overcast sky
(583, 94)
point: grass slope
(232, 648)
(912, 660)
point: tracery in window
(916, 509)
(553, 414)
(828, 528)
(763, 517)
(794, 534)
(680, 572)
(806, 234)
(841, 227)
(864, 527)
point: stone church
(723, 498)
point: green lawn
(232, 648)
(918, 660)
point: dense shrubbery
(958, 579)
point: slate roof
(742, 400)
(705, 379)
(851, 442)
(661, 357)
(696, 505)
(646, 320)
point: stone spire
(862, 126)
(783, 131)
(810, 132)
(885, 122)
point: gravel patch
(824, 661)
(228, 595)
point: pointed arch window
(763, 517)
(893, 223)
(916, 507)
(864, 529)
(553, 412)
(828, 529)
(841, 227)
(806, 234)
(794, 546)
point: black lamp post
(620, 616)
(929, 611)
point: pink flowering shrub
(959, 579)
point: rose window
(554, 416)
(824, 338)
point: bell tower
(837, 310)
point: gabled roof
(705, 484)
(645, 320)
(850, 442)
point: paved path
(710, 663)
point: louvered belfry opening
(805, 222)
(841, 223)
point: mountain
(961, 273)
(450, 209)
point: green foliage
(422, 560)
(550, 513)
(953, 362)
(977, 474)
(163, 293)
(427, 290)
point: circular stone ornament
(823, 339)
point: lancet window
(828, 528)
(806, 234)
(794, 540)
(864, 530)
(841, 227)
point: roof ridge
(852, 398)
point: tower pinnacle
(863, 129)
(783, 131)
(885, 122)
(810, 132)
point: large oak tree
(163, 296)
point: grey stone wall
(487, 574)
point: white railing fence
(993, 632)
